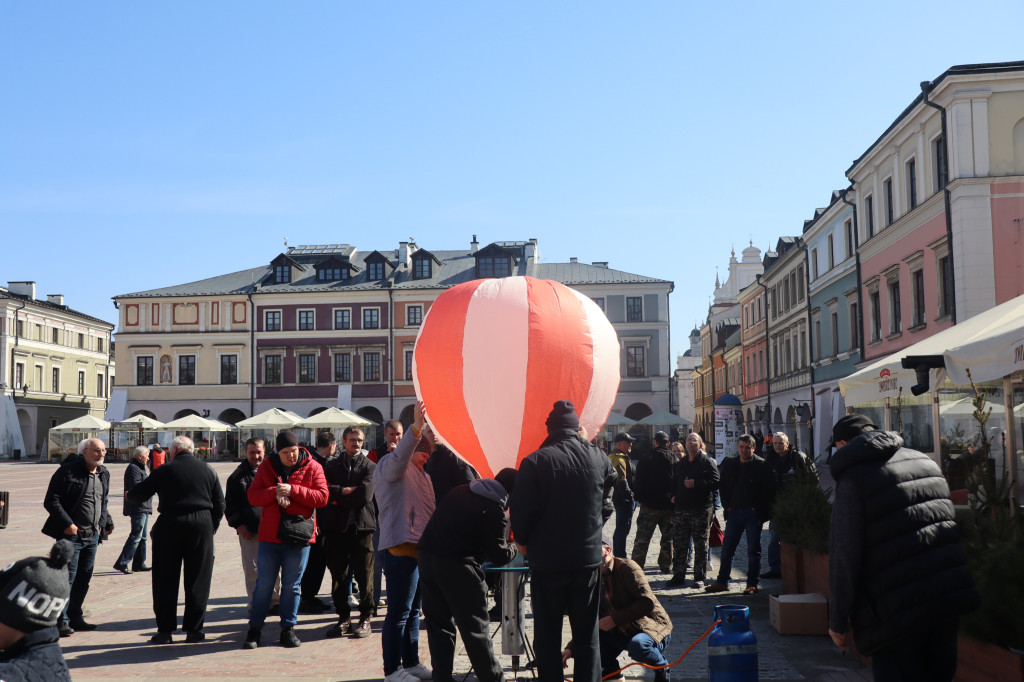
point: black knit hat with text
(34, 591)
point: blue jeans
(79, 575)
(400, 637)
(640, 647)
(136, 542)
(738, 522)
(623, 522)
(288, 560)
(774, 549)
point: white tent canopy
(274, 418)
(87, 423)
(665, 419)
(332, 417)
(194, 422)
(991, 345)
(616, 419)
(147, 423)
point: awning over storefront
(991, 345)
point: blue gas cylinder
(732, 647)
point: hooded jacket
(896, 565)
(470, 524)
(309, 492)
(556, 504)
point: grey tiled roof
(456, 267)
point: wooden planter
(977, 661)
(803, 571)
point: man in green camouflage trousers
(654, 491)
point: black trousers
(928, 656)
(455, 595)
(182, 542)
(577, 594)
(341, 550)
(316, 566)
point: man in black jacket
(467, 528)
(898, 575)
(77, 502)
(786, 463)
(696, 480)
(654, 493)
(245, 518)
(347, 524)
(191, 508)
(134, 549)
(447, 471)
(556, 519)
(748, 490)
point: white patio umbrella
(83, 424)
(274, 418)
(665, 419)
(333, 417)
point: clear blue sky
(150, 144)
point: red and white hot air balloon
(492, 357)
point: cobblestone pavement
(122, 607)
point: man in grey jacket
(134, 549)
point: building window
(343, 367)
(800, 280)
(831, 252)
(912, 184)
(835, 334)
(917, 281)
(99, 345)
(635, 361)
(331, 274)
(817, 338)
(343, 319)
(56, 336)
(814, 263)
(272, 321)
(307, 320)
(229, 369)
(941, 174)
(634, 309)
(408, 365)
(55, 380)
(851, 238)
(421, 268)
(600, 302)
(307, 368)
(876, 316)
(371, 366)
(144, 371)
(854, 327)
(186, 370)
(99, 385)
(375, 271)
(371, 318)
(81, 383)
(895, 320)
(20, 328)
(869, 213)
(414, 315)
(945, 287)
(282, 274)
(81, 341)
(889, 212)
(272, 369)
(489, 266)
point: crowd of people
(424, 515)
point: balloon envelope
(492, 357)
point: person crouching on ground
(290, 482)
(632, 618)
(33, 592)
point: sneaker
(771, 575)
(717, 587)
(420, 672)
(698, 583)
(65, 630)
(81, 626)
(362, 629)
(289, 639)
(751, 589)
(676, 581)
(338, 629)
(252, 639)
(353, 601)
(400, 676)
(161, 638)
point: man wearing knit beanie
(556, 518)
(33, 593)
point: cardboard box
(799, 614)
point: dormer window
(331, 274)
(491, 266)
(421, 268)
(282, 274)
(375, 271)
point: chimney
(474, 245)
(601, 264)
(23, 289)
(56, 299)
(573, 260)
(532, 251)
(404, 251)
